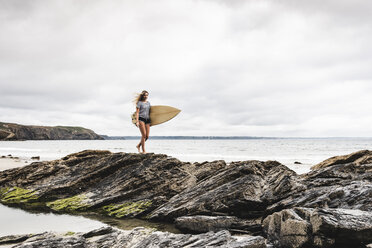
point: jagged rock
(154, 186)
(359, 158)
(13, 239)
(129, 185)
(201, 224)
(140, 237)
(243, 189)
(11, 131)
(335, 186)
(306, 227)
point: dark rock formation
(359, 157)
(11, 131)
(243, 189)
(346, 186)
(201, 197)
(108, 237)
(306, 227)
(155, 185)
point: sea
(305, 151)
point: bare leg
(142, 128)
(147, 127)
(147, 131)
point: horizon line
(232, 137)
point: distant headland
(12, 131)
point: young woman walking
(143, 118)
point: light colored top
(144, 109)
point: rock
(346, 186)
(201, 224)
(359, 158)
(36, 158)
(287, 229)
(13, 239)
(11, 131)
(5, 135)
(296, 162)
(133, 185)
(199, 197)
(98, 232)
(141, 237)
(305, 227)
(243, 189)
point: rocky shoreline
(246, 203)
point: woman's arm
(137, 116)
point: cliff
(327, 207)
(11, 131)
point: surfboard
(159, 114)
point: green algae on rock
(126, 209)
(3, 191)
(75, 203)
(17, 195)
(69, 233)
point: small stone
(36, 158)
(296, 162)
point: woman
(143, 118)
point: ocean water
(307, 151)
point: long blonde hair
(139, 97)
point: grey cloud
(269, 68)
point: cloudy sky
(291, 68)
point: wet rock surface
(246, 197)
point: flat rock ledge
(140, 237)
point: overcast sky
(291, 68)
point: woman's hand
(137, 123)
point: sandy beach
(10, 163)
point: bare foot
(138, 147)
